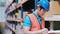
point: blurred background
(52, 18)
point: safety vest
(35, 24)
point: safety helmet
(44, 3)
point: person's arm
(17, 6)
(27, 25)
(8, 3)
(22, 2)
(43, 31)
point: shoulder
(27, 18)
(27, 21)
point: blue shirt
(27, 21)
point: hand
(15, 31)
(21, 19)
(44, 31)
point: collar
(35, 14)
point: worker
(34, 22)
(10, 20)
(10, 23)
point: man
(10, 23)
(34, 23)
